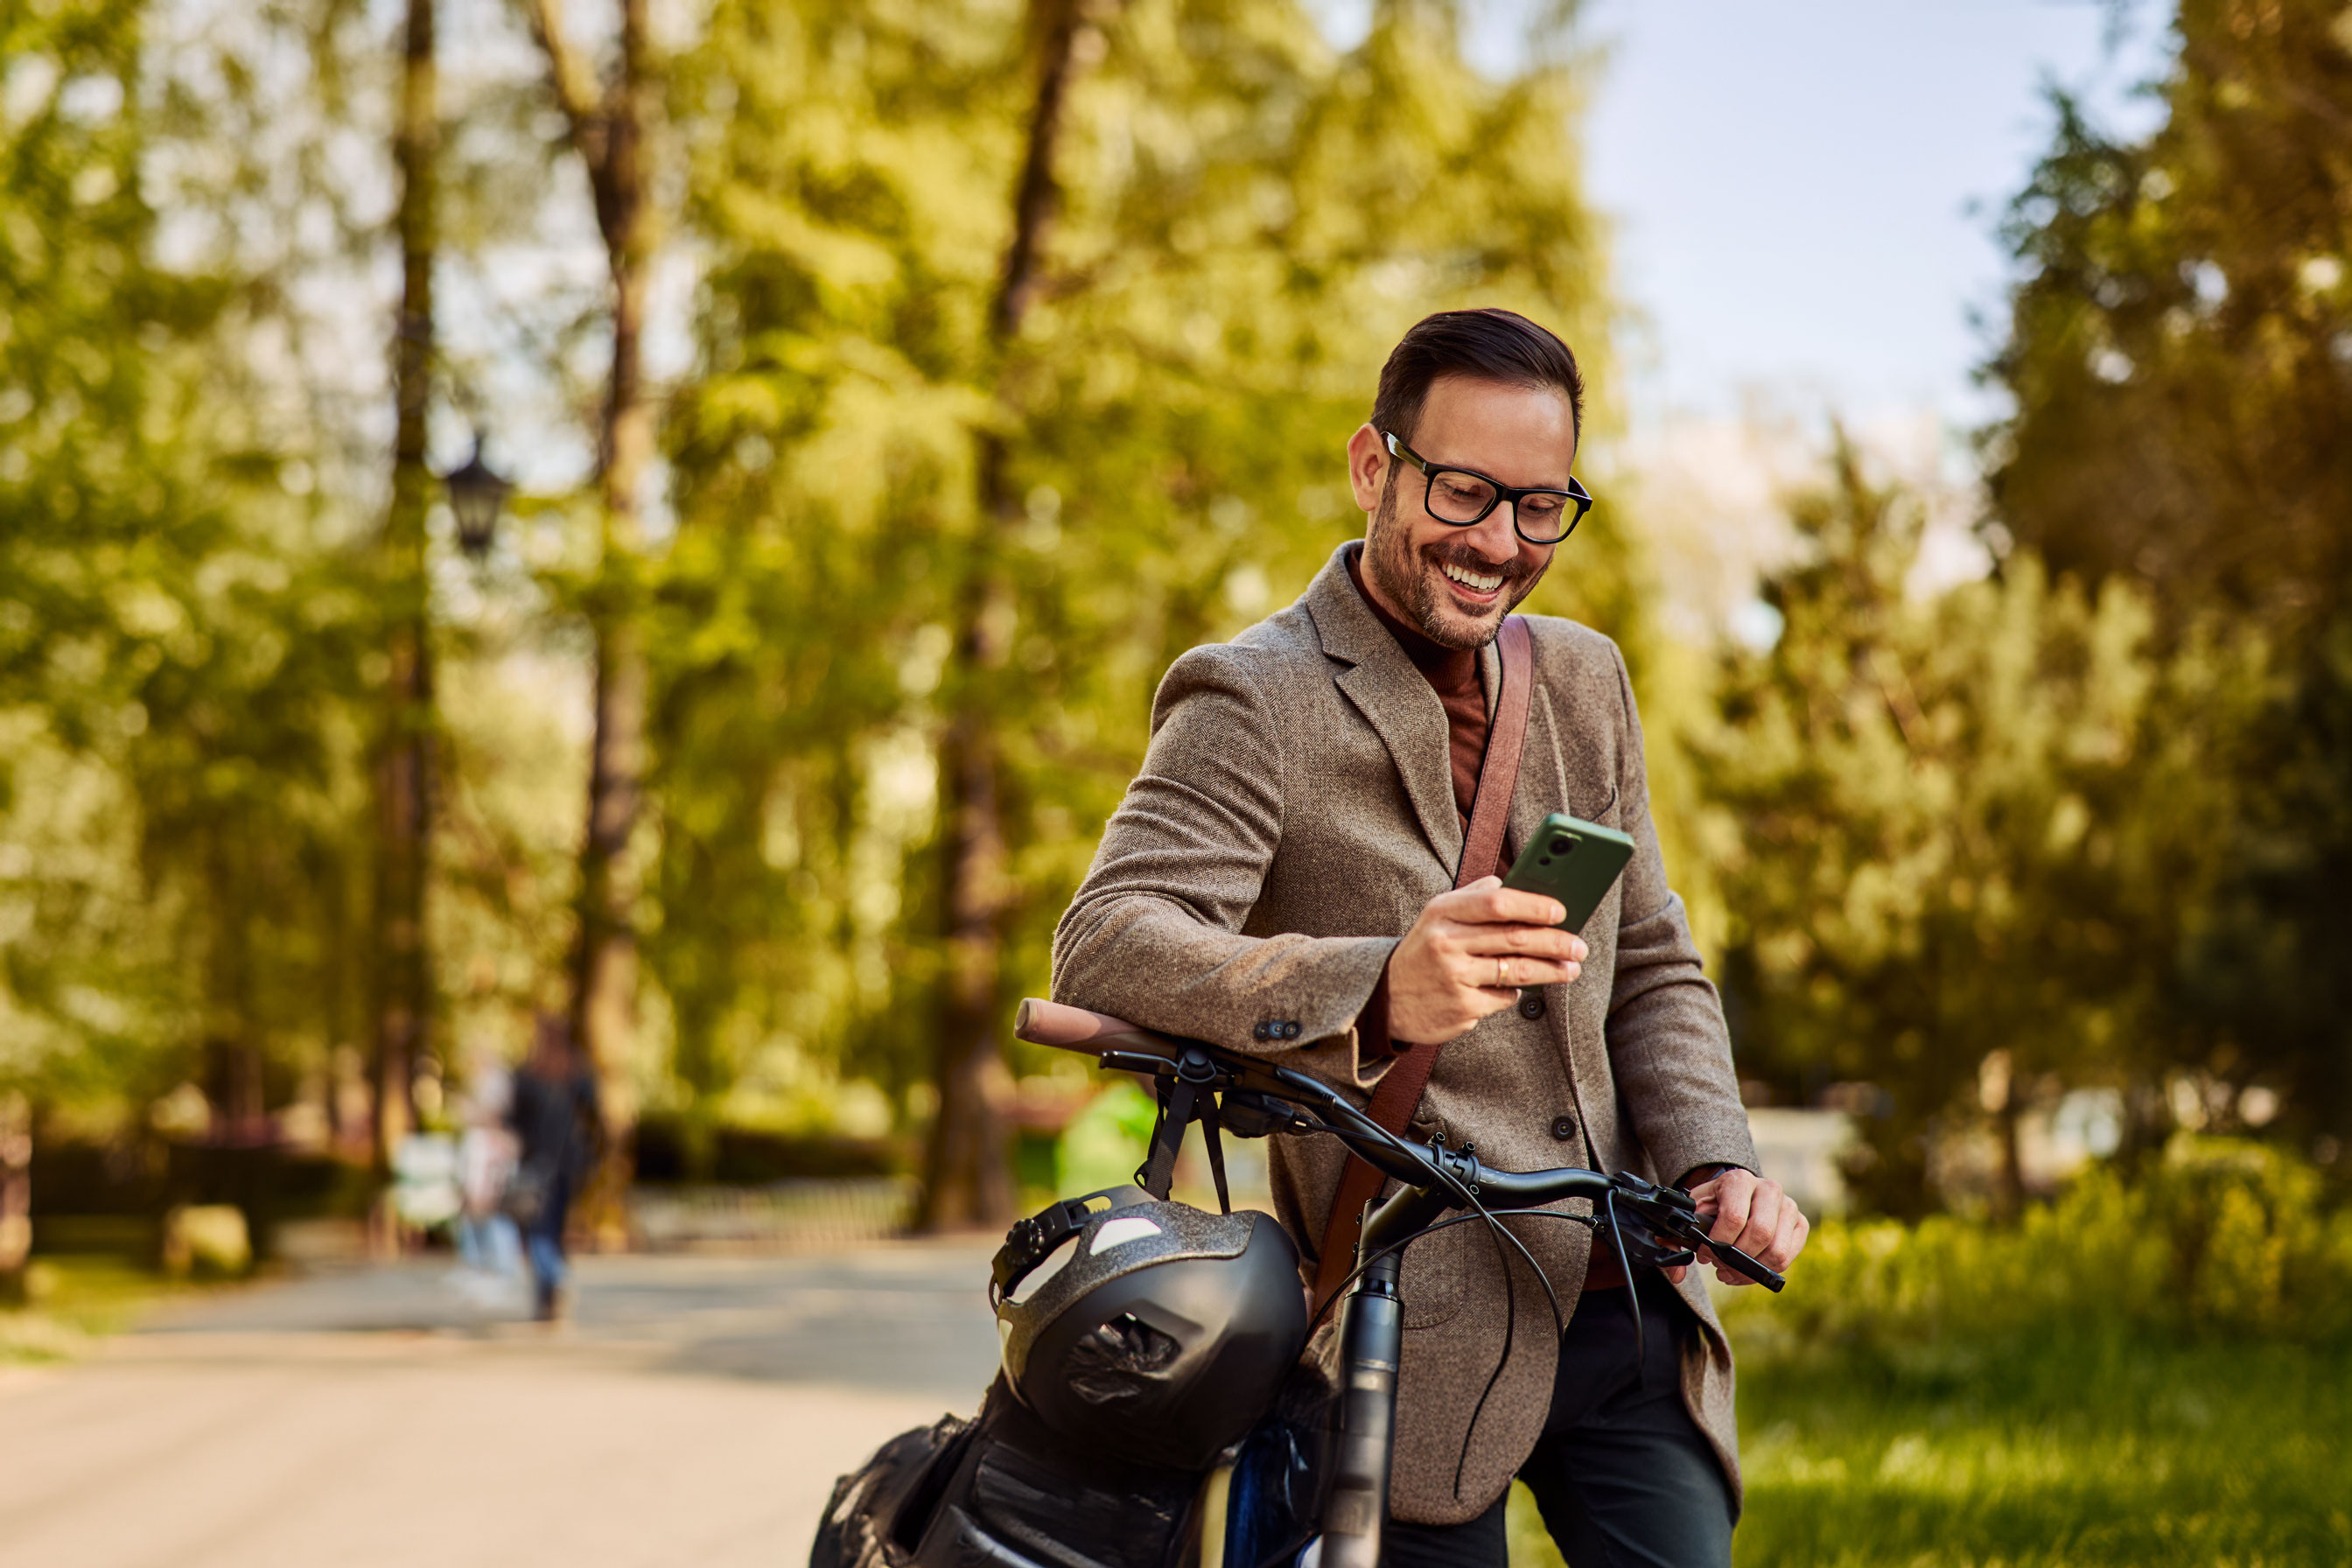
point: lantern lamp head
(476, 491)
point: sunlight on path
(698, 1412)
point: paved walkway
(696, 1413)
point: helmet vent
(1105, 1364)
(1121, 1231)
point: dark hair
(1485, 345)
(552, 1038)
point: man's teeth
(1470, 579)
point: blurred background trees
(2084, 822)
(993, 353)
(2181, 356)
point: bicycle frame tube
(1371, 1338)
(1371, 1342)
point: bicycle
(1333, 1485)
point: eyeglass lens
(1462, 499)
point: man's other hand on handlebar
(1745, 1211)
(1470, 954)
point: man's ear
(1368, 468)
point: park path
(696, 1412)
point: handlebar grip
(1068, 1028)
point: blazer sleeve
(1154, 934)
(1669, 1048)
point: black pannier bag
(1001, 1491)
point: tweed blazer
(1293, 814)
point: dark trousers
(543, 1240)
(1622, 1474)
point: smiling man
(1285, 875)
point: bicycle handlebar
(1126, 1047)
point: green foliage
(2180, 355)
(2181, 343)
(2086, 821)
(174, 652)
(2270, 993)
(1104, 1142)
(2152, 1371)
(2219, 1239)
(1248, 221)
(1530, 1543)
(1951, 827)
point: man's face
(1457, 584)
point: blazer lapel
(1395, 699)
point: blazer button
(1531, 1005)
(1264, 1031)
(1289, 1028)
(1563, 1127)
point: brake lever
(1690, 1230)
(1671, 1211)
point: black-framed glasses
(1460, 497)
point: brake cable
(1498, 1233)
(1632, 1287)
(1460, 1189)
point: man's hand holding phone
(1470, 953)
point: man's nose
(1493, 535)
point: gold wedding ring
(1502, 974)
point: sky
(1803, 197)
(1805, 193)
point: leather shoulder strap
(1400, 1090)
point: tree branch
(574, 84)
(1067, 39)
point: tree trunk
(968, 1180)
(967, 1175)
(16, 1195)
(607, 130)
(2008, 1202)
(402, 978)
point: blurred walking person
(490, 1249)
(556, 1117)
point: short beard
(1387, 556)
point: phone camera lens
(1562, 846)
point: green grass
(74, 1299)
(2037, 1454)
(2042, 1453)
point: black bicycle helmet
(1151, 1330)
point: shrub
(2219, 1239)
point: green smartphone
(1574, 861)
